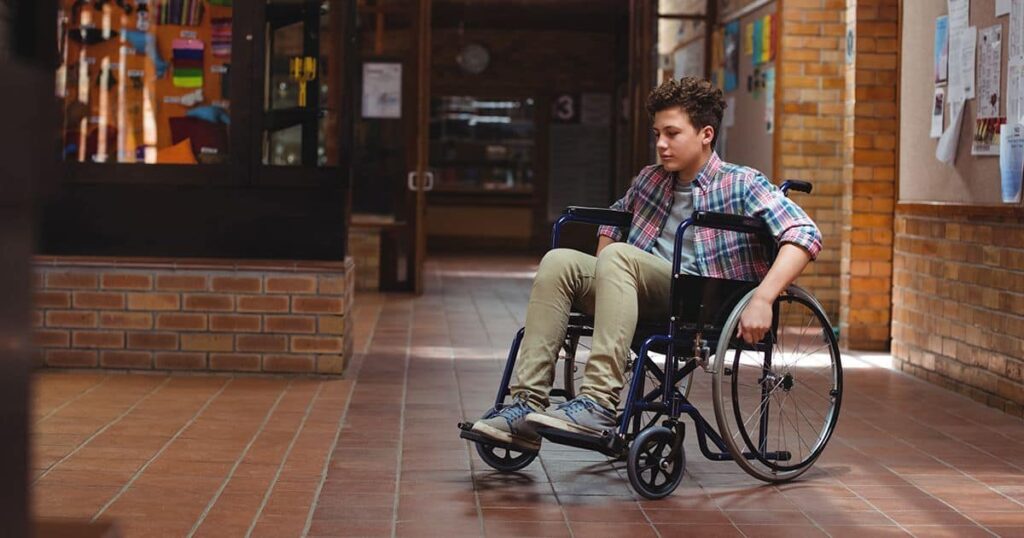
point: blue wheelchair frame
(668, 401)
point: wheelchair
(776, 402)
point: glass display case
(482, 145)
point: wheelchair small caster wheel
(506, 460)
(654, 470)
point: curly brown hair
(701, 101)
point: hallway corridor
(377, 453)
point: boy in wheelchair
(628, 278)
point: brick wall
(809, 140)
(278, 317)
(958, 304)
(869, 175)
(364, 247)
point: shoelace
(577, 405)
(515, 411)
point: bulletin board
(749, 140)
(972, 179)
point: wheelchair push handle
(796, 185)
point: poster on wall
(382, 90)
(1011, 161)
(989, 60)
(986, 136)
(718, 58)
(763, 40)
(938, 106)
(732, 55)
(941, 48)
(748, 39)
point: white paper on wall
(938, 112)
(962, 45)
(945, 151)
(1002, 7)
(959, 14)
(1011, 161)
(382, 90)
(989, 68)
(1016, 31)
(1014, 92)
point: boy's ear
(707, 134)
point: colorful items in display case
(181, 12)
(188, 63)
(220, 40)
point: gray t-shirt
(682, 207)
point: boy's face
(681, 147)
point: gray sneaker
(579, 415)
(509, 426)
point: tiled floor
(377, 453)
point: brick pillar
(809, 142)
(869, 144)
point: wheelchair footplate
(608, 443)
(466, 432)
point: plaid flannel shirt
(720, 187)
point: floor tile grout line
(150, 461)
(73, 399)
(401, 422)
(462, 413)
(951, 410)
(330, 457)
(540, 460)
(358, 366)
(238, 461)
(102, 429)
(885, 514)
(888, 468)
(941, 432)
(284, 461)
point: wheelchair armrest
(598, 215)
(735, 223)
(590, 215)
(796, 185)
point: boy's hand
(755, 320)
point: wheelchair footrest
(607, 444)
(470, 435)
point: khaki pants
(613, 287)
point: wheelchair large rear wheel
(777, 402)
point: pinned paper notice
(945, 151)
(938, 108)
(1011, 161)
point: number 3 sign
(564, 108)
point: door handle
(411, 179)
(430, 181)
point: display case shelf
(482, 146)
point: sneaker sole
(545, 421)
(506, 437)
